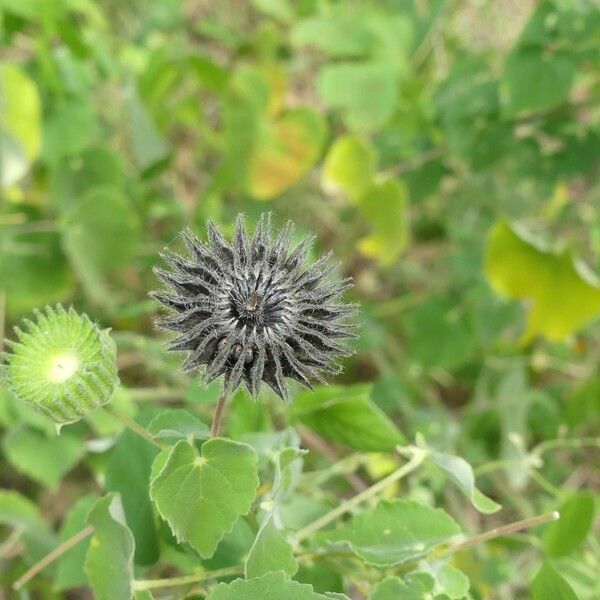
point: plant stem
(418, 456)
(133, 425)
(563, 443)
(218, 415)
(52, 556)
(497, 532)
(149, 584)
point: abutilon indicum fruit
(61, 364)
(251, 310)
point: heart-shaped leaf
(201, 496)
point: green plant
(447, 153)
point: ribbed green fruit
(62, 364)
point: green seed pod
(62, 364)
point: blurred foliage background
(448, 152)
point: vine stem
(149, 584)
(497, 532)
(52, 556)
(565, 443)
(418, 456)
(134, 426)
(215, 430)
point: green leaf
(365, 93)
(357, 31)
(576, 520)
(284, 152)
(178, 423)
(233, 548)
(349, 166)
(70, 572)
(384, 207)
(271, 585)
(439, 334)
(348, 416)
(561, 294)
(202, 496)
(418, 586)
(33, 270)
(550, 585)
(553, 73)
(96, 167)
(149, 146)
(102, 214)
(270, 552)
(339, 33)
(69, 129)
(394, 532)
(109, 559)
(44, 459)
(452, 582)
(279, 9)
(247, 415)
(288, 470)
(19, 513)
(20, 115)
(128, 473)
(460, 472)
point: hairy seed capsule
(62, 364)
(253, 311)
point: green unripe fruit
(62, 364)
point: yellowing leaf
(349, 166)
(20, 117)
(277, 81)
(562, 296)
(285, 150)
(384, 207)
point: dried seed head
(252, 311)
(62, 364)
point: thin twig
(417, 458)
(215, 430)
(563, 443)
(134, 426)
(412, 163)
(497, 532)
(150, 584)
(52, 556)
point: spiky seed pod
(62, 364)
(252, 311)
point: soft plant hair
(252, 310)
